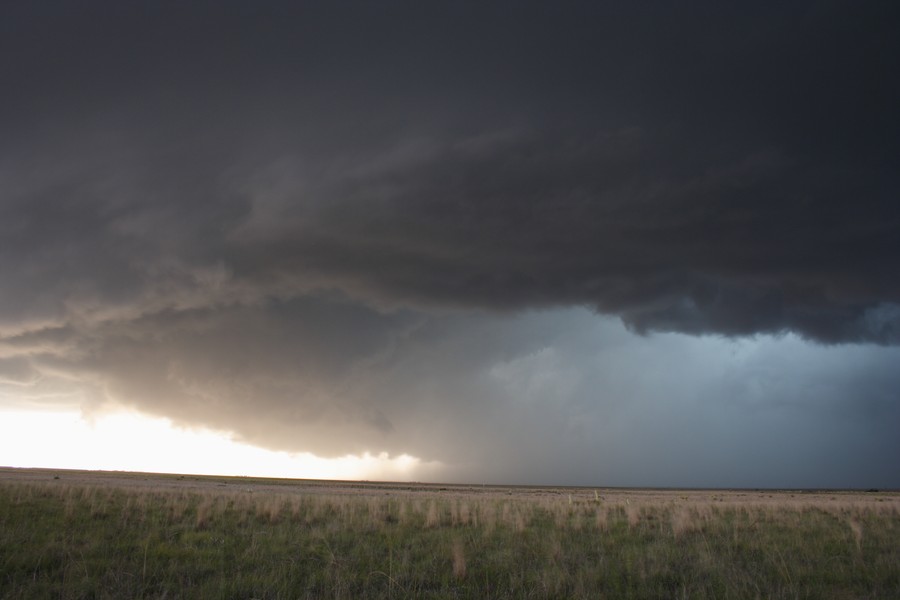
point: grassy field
(133, 536)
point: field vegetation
(81, 540)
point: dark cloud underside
(703, 170)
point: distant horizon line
(438, 484)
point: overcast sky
(584, 243)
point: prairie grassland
(82, 540)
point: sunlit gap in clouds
(129, 441)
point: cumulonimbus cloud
(203, 210)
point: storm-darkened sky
(535, 242)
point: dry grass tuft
(856, 528)
(433, 516)
(204, 512)
(682, 521)
(633, 514)
(459, 559)
(270, 509)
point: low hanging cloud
(282, 221)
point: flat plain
(80, 534)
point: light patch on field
(127, 441)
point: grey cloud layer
(278, 220)
(687, 170)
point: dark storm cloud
(276, 219)
(692, 170)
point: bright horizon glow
(129, 441)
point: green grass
(71, 541)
